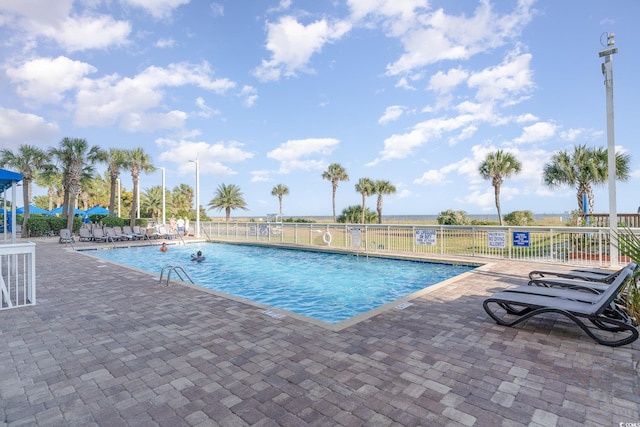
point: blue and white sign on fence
(521, 239)
(426, 237)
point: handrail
(177, 269)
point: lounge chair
(84, 235)
(525, 302)
(594, 275)
(127, 230)
(66, 236)
(99, 235)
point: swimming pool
(329, 287)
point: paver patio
(109, 346)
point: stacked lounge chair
(578, 304)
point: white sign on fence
(426, 237)
(497, 239)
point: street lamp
(607, 71)
(197, 162)
(164, 204)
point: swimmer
(163, 248)
(197, 257)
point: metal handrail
(177, 269)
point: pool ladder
(178, 270)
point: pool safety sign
(426, 237)
(521, 239)
(496, 239)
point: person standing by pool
(180, 224)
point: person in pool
(197, 257)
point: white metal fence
(567, 245)
(17, 275)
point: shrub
(519, 218)
(451, 217)
(353, 215)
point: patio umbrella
(97, 210)
(32, 210)
(58, 211)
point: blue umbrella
(97, 210)
(32, 210)
(58, 211)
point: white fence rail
(17, 275)
(567, 245)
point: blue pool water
(325, 286)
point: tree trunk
(379, 208)
(497, 194)
(26, 197)
(334, 202)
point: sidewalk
(109, 346)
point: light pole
(118, 182)
(607, 71)
(164, 204)
(197, 162)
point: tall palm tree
(77, 160)
(365, 186)
(151, 201)
(137, 161)
(280, 190)
(497, 166)
(183, 199)
(28, 160)
(335, 173)
(583, 168)
(228, 197)
(117, 159)
(380, 188)
(51, 179)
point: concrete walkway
(109, 346)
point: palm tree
(151, 201)
(497, 166)
(53, 181)
(28, 160)
(183, 199)
(280, 190)
(365, 187)
(77, 159)
(335, 173)
(228, 197)
(353, 215)
(380, 188)
(137, 161)
(583, 168)
(117, 159)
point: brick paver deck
(109, 346)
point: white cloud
(436, 36)
(260, 176)
(292, 44)
(57, 21)
(88, 32)
(294, 154)
(127, 101)
(249, 94)
(432, 177)
(392, 113)
(540, 131)
(212, 157)
(512, 77)
(446, 82)
(159, 9)
(22, 128)
(165, 43)
(46, 79)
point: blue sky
(416, 92)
